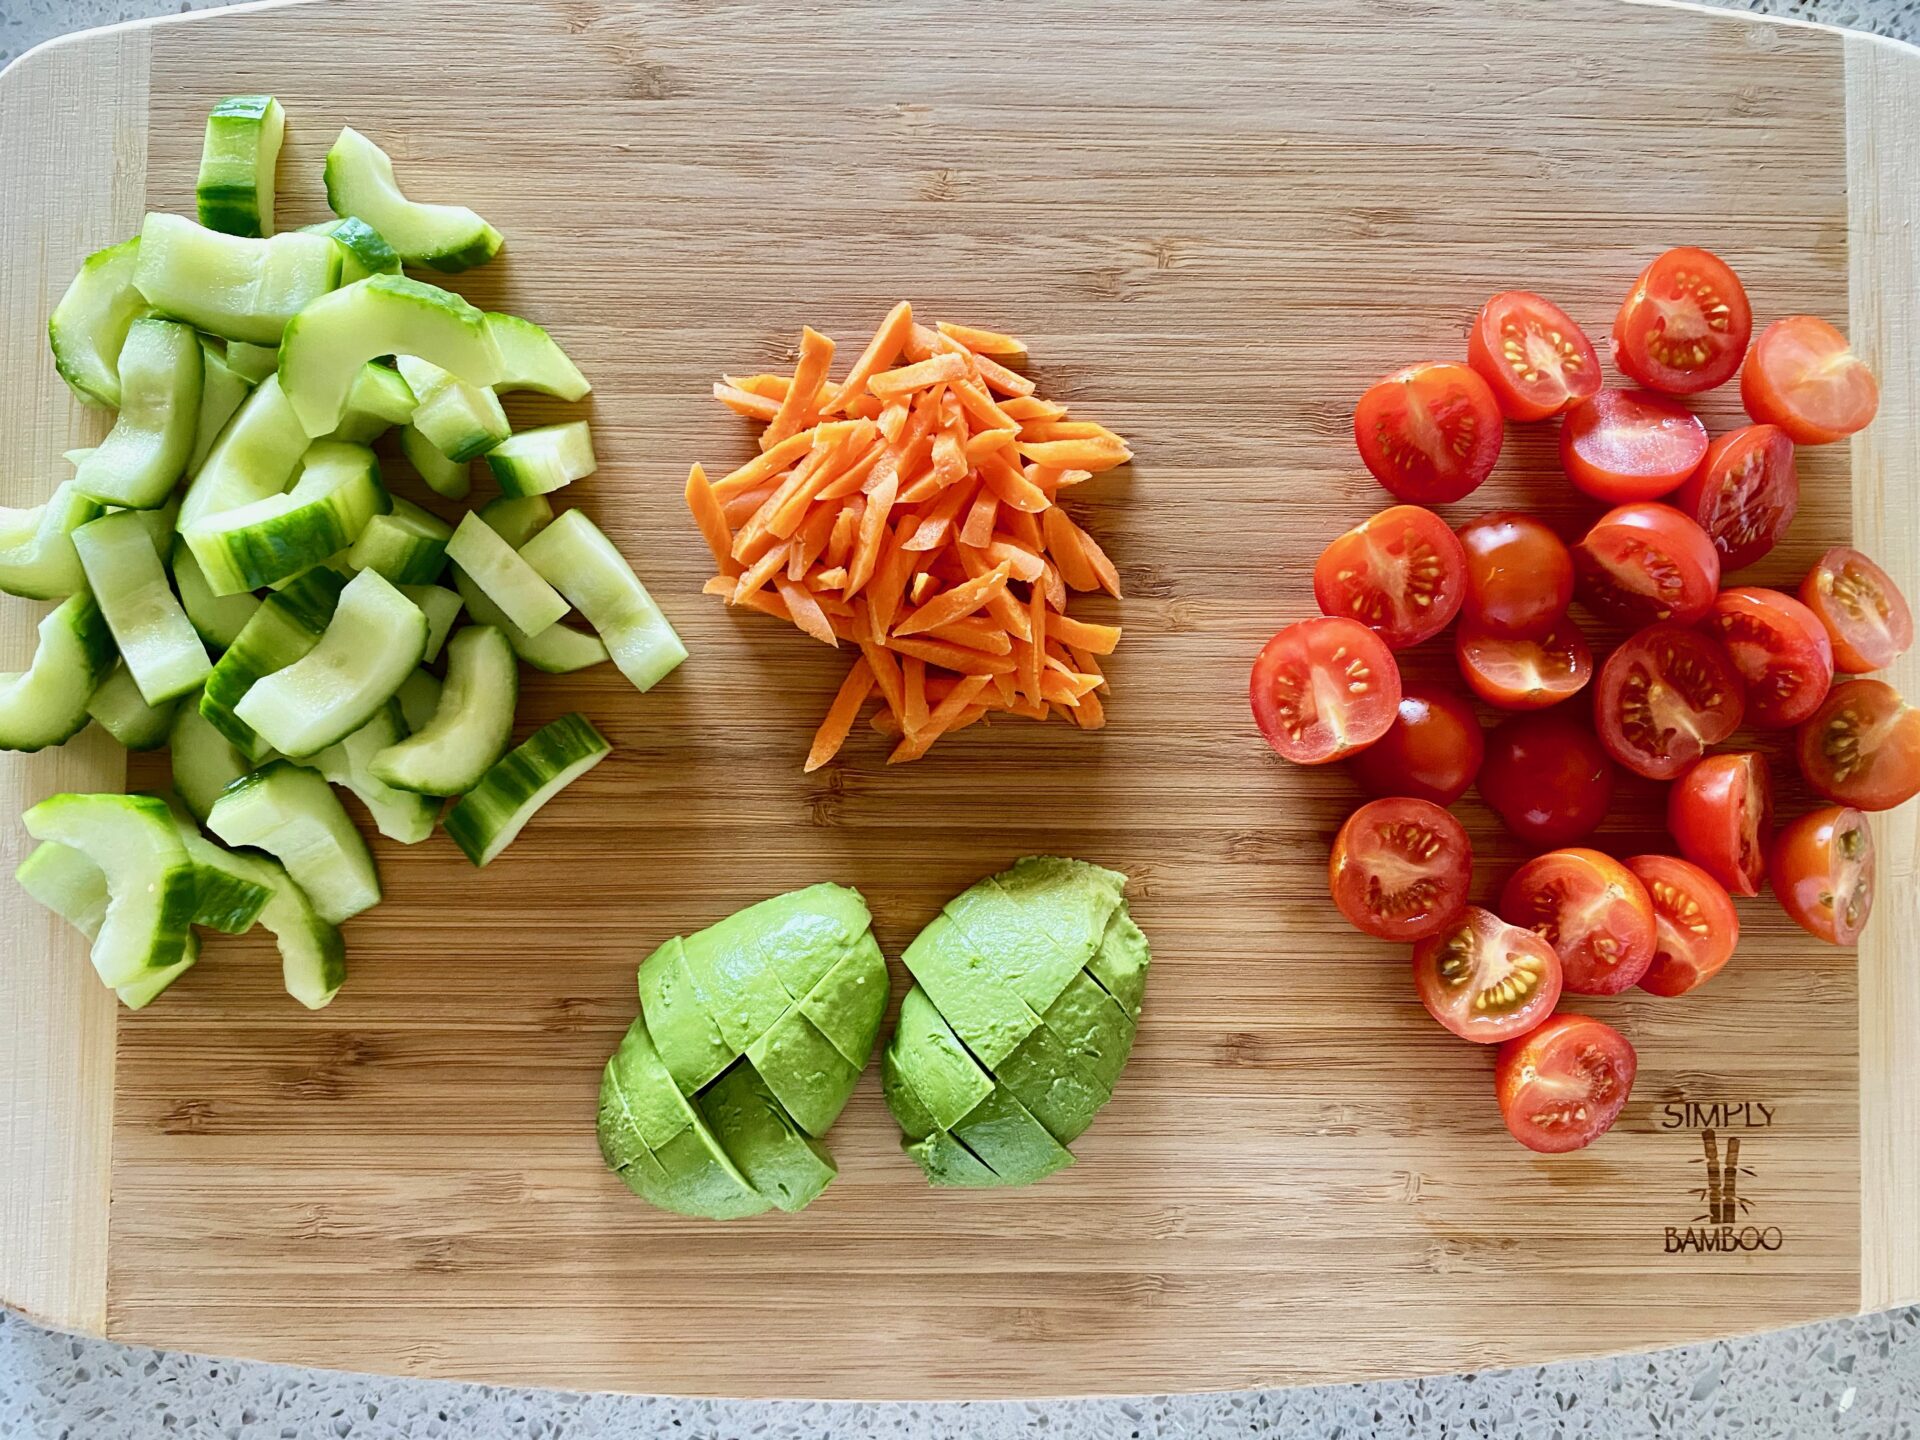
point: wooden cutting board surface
(1215, 224)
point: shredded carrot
(913, 510)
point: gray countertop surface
(1853, 1377)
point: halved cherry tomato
(1400, 868)
(1862, 747)
(1803, 376)
(1684, 326)
(1562, 1087)
(1643, 563)
(1720, 813)
(1530, 352)
(1865, 615)
(1666, 694)
(1519, 574)
(1822, 868)
(1432, 752)
(1695, 924)
(1400, 572)
(1547, 778)
(1622, 445)
(1486, 980)
(1594, 913)
(1429, 433)
(1745, 493)
(1524, 674)
(1323, 689)
(1780, 649)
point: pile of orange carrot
(911, 511)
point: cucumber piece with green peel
(161, 524)
(230, 892)
(275, 539)
(397, 814)
(203, 760)
(238, 157)
(328, 342)
(373, 642)
(46, 704)
(292, 813)
(218, 619)
(253, 362)
(155, 638)
(418, 698)
(288, 624)
(364, 250)
(74, 888)
(360, 183)
(146, 452)
(488, 817)
(89, 325)
(222, 392)
(471, 727)
(542, 460)
(151, 892)
(379, 400)
(37, 558)
(408, 545)
(451, 478)
(442, 607)
(559, 649)
(533, 360)
(253, 459)
(461, 421)
(514, 586)
(516, 519)
(118, 707)
(228, 285)
(582, 563)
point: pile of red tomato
(1701, 661)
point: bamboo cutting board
(1215, 224)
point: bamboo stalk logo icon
(1723, 1181)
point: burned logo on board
(1726, 1220)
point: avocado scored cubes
(947, 1079)
(789, 1168)
(1050, 1081)
(1009, 1141)
(686, 1036)
(1120, 964)
(949, 1163)
(800, 1065)
(983, 1009)
(1093, 1028)
(848, 1002)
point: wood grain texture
(1214, 233)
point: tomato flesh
(1517, 674)
(1537, 361)
(1643, 563)
(1745, 493)
(1624, 445)
(1562, 1087)
(1865, 615)
(1720, 814)
(1591, 910)
(1432, 752)
(1684, 326)
(1822, 867)
(1803, 376)
(1663, 697)
(1862, 747)
(1429, 433)
(1486, 980)
(1547, 778)
(1781, 650)
(1401, 573)
(1696, 928)
(1400, 868)
(1519, 574)
(1322, 689)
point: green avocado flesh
(1027, 990)
(752, 1034)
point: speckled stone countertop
(1857, 1377)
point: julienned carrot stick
(1078, 634)
(982, 342)
(955, 604)
(942, 718)
(881, 352)
(712, 520)
(918, 376)
(840, 716)
(802, 405)
(753, 407)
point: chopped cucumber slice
(328, 342)
(238, 289)
(441, 607)
(288, 624)
(222, 391)
(472, 725)
(514, 586)
(154, 635)
(218, 619)
(204, 761)
(408, 545)
(160, 525)
(89, 325)
(364, 250)
(253, 459)
(459, 420)
(379, 400)
(583, 564)
(540, 461)
(398, 814)
(516, 519)
(37, 558)
(373, 642)
(290, 812)
(123, 712)
(231, 891)
(147, 449)
(255, 362)
(46, 704)
(488, 817)
(237, 160)
(150, 885)
(338, 492)
(451, 478)
(75, 889)
(533, 360)
(557, 650)
(442, 237)
(418, 698)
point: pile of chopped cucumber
(235, 581)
